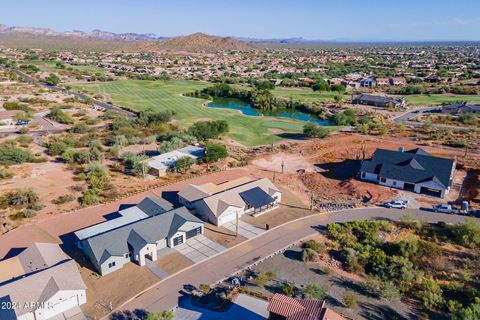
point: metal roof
(168, 160)
(256, 197)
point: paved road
(407, 116)
(165, 294)
(80, 95)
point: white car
(397, 204)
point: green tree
(162, 315)
(468, 233)
(52, 80)
(313, 130)
(215, 151)
(184, 163)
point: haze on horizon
(348, 20)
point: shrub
(64, 199)
(315, 131)
(205, 130)
(56, 114)
(5, 174)
(309, 255)
(315, 246)
(21, 198)
(24, 140)
(261, 280)
(215, 151)
(313, 291)
(25, 214)
(205, 288)
(468, 233)
(288, 289)
(350, 299)
(430, 294)
(10, 154)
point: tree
(468, 233)
(184, 163)
(204, 130)
(52, 80)
(321, 85)
(316, 292)
(313, 130)
(215, 151)
(162, 315)
(56, 114)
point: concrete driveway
(244, 229)
(199, 248)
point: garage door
(431, 192)
(60, 307)
(194, 232)
(178, 240)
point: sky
(370, 20)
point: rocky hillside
(200, 42)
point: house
(159, 165)
(219, 207)
(461, 108)
(414, 170)
(398, 81)
(383, 81)
(368, 82)
(110, 248)
(40, 283)
(379, 101)
(282, 307)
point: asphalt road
(80, 95)
(405, 119)
(164, 295)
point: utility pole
(283, 164)
(236, 227)
(274, 175)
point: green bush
(315, 131)
(309, 255)
(10, 154)
(64, 199)
(315, 292)
(21, 198)
(56, 114)
(215, 152)
(350, 299)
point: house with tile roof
(415, 170)
(282, 307)
(224, 203)
(112, 246)
(40, 283)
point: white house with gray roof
(110, 248)
(40, 283)
(252, 197)
(159, 165)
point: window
(394, 183)
(363, 174)
(128, 254)
(383, 180)
(111, 264)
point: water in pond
(246, 109)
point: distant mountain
(94, 34)
(295, 40)
(200, 42)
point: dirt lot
(173, 262)
(222, 235)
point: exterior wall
(149, 249)
(204, 211)
(430, 185)
(369, 176)
(392, 183)
(186, 203)
(230, 214)
(119, 262)
(161, 244)
(64, 295)
(187, 226)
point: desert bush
(64, 199)
(350, 299)
(309, 255)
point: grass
(305, 94)
(50, 66)
(167, 95)
(436, 99)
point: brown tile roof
(296, 309)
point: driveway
(244, 307)
(199, 248)
(244, 229)
(249, 252)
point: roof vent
(401, 149)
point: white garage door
(60, 307)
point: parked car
(445, 208)
(397, 204)
(21, 123)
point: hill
(200, 42)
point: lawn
(50, 66)
(436, 99)
(167, 95)
(305, 94)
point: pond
(245, 108)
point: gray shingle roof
(413, 166)
(135, 235)
(368, 98)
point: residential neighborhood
(248, 160)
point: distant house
(383, 81)
(220, 204)
(379, 101)
(368, 82)
(159, 165)
(152, 227)
(282, 307)
(414, 170)
(398, 81)
(40, 283)
(461, 108)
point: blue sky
(395, 20)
